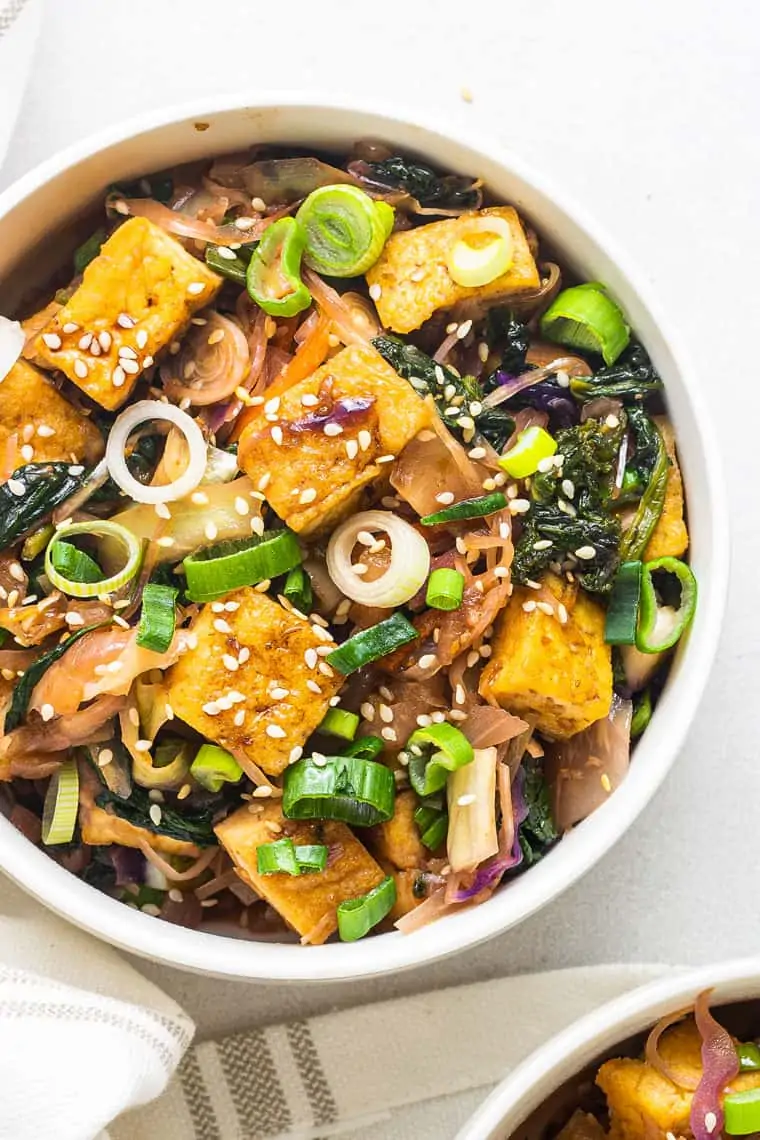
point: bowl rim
(216, 955)
(570, 1051)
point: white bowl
(43, 202)
(593, 1038)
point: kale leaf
(427, 377)
(537, 831)
(447, 192)
(631, 378)
(46, 485)
(511, 337)
(589, 453)
(192, 827)
(23, 690)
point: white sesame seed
(612, 421)
(389, 734)
(129, 366)
(80, 369)
(257, 525)
(280, 694)
(711, 1121)
(125, 321)
(309, 400)
(128, 353)
(195, 287)
(365, 439)
(241, 505)
(585, 552)
(210, 531)
(426, 660)
(352, 448)
(166, 540)
(325, 669)
(466, 800)
(45, 432)
(200, 498)
(310, 657)
(563, 379)
(27, 453)
(360, 568)
(275, 731)
(70, 327)
(307, 496)
(271, 407)
(477, 453)
(332, 429)
(545, 608)
(222, 626)
(467, 423)
(230, 662)
(562, 613)
(445, 498)
(386, 714)
(211, 708)
(118, 376)
(375, 292)
(47, 712)
(568, 488)
(519, 506)
(529, 606)
(52, 340)
(276, 433)
(142, 746)
(542, 544)
(313, 687)
(16, 487)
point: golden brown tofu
(398, 841)
(582, 1126)
(136, 297)
(643, 1103)
(670, 537)
(414, 279)
(244, 685)
(313, 479)
(45, 424)
(558, 676)
(100, 828)
(307, 902)
(410, 892)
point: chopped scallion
(623, 610)
(158, 618)
(532, 447)
(468, 509)
(586, 317)
(59, 814)
(356, 917)
(372, 644)
(215, 570)
(346, 788)
(434, 752)
(213, 767)
(445, 589)
(341, 723)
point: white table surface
(648, 112)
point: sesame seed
(585, 552)
(129, 366)
(118, 376)
(545, 608)
(568, 488)
(325, 669)
(210, 531)
(612, 421)
(711, 1121)
(472, 659)
(276, 434)
(155, 814)
(52, 340)
(230, 662)
(307, 496)
(12, 599)
(45, 432)
(466, 800)
(426, 660)
(222, 626)
(529, 606)
(128, 353)
(365, 439)
(245, 223)
(70, 327)
(386, 714)
(263, 792)
(563, 379)
(279, 694)
(542, 544)
(142, 746)
(257, 525)
(519, 506)
(389, 734)
(80, 369)
(27, 453)
(483, 351)
(360, 568)
(451, 328)
(166, 540)
(262, 587)
(310, 657)
(562, 613)
(105, 756)
(567, 508)
(211, 708)
(445, 498)
(463, 329)
(200, 498)
(295, 754)
(95, 348)
(332, 429)
(489, 484)
(477, 453)
(125, 321)
(606, 782)
(275, 731)
(352, 448)
(47, 712)
(313, 687)
(368, 710)
(241, 505)
(16, 487)
(460, 695)
(375, 292)
(259, 205)
(162, 510)
(309, 400)
(195, 287)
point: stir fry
(342, 541)
(694, 1080)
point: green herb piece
(477, 508)
(32, 493)
(88, 250)
(433, 753)
(445, 589)
(623, 609)
(433, 824)
(668, 602)
(447, 192)
(158, 618)
(312, 856)
(59, 816)
(234, 268)
(74, 564)
(537, 831)
(356, 917)
(742, 1112)
(339, 722)
(213, 767)
(372, 644)
(345, 230)
(632, 377)
(749, 1056)
(215, 570)
(586, 318)
(638, 533)
(366, 747)
(532, 447)
(273, 278)
(346, 788)
(642, 713)
(190, 827)
(277, 858)
(297, 589)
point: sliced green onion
(433, 825)
(586, 317)
(445, 589)
(297, 589)
(158, 618)
(312, 856)
(277, 858)
(366, 747)
(74, 564)
(742, 1112)
(273, 277)
(228, 565)
(213, 767)
(372, 644)
(356, 917)
(434, 752)
(749, 1056)
(642, 713)
(623, 610)
(341, 723)
(473, 266)
(346, 788)
(133, 557)
(59, 814)
(234, 268)
(345, 230)
(88, 250)
(36, 542)
(468, 509)
(168, 767)
(660, 623)
(532, 447)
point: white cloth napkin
(19, 24)
(84, 1038)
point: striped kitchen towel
(414, 1067)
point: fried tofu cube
(314, 479)
(136, 297)
(44, 421)
(582, 1126)
(411, 890)
(398, 840)
(670, 538)
(557, 676)
(229, 687)
(100, 828)
(643, 1103)
(413, 278)
(307, 902)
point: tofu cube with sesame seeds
(557, 675)
(644, 1104)
(670, 538)
(410, 281)
(46, 426)
(136, 297)
(100, 828)
(319, 444)
(244, 685)
(307, 902)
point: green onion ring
(59, 815)
(132, 548)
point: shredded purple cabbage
(490, 874)
(546, 396)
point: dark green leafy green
(23, 690)
(631, 378)
(590, 453)
(88, 250)
(421, 182)
(656, 461)
(158, 186)
(537, 832)
(509, 336)
(45, 486)
(189, 826)
(429, 378)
